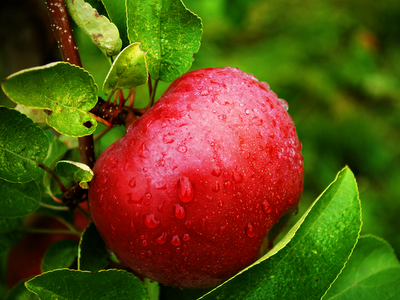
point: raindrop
(168, 138)
(228, 184)
(188, 224)
(162, 238)
(250, 230)
(143, 151)
(185, 189)
(209, 198)
(238, 195)
(216, 187)
(284, 104)
(204, 92)
(176, 241)
(179, 212)
(237, 177)
(266, 207)
(216, 171)
(144, 243)
(147, 196)
(151, 222)
(247, 111)
(182, 149)
(132, 182)
(186, 237)
(220, 203)
(133, 227)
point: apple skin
(188, 195)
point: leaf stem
(48, 170)
(54, 207)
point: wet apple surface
(188, 195)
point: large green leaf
(70, 284)
(102, 32)
(11, 231)
(116, 11)
(306, 262)
(20, 292)
(169, 33)
(128, 70)
(373, 272)
(18, 199)
(22, 146)
(92, 250)
(68, 91)
(60, 254)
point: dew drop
(151, 222)
(216, 187)
(162, 238)
(143, 151)
(185, 189)
(237, 177)
(168, 138)
(204, 92)
(144, 243)
(209, 198)
(238, 195)
(247, 111)
(132, 182)
(182, 149)
(220, 203)
(284, 104)
(266, 207)
(186, 237)
(179, 212)
(228, 184)
(148, 196)
(216, 171)
(176, 241)
(188, 224)
(250, 230)
(133, 227)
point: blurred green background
(336, 62)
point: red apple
(188, 195)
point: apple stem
(64, 36)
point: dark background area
(337, 64)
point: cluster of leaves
(158, 39)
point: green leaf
(22, 146)
(305, 263)
(38, 116)
(60, 254)
(18, 199)
(70, 284)
(128, 70)
(67, 90)
(373, 272)
(102, 32)
(75, 171)
(116, 11)
(169, 33)
(11, 231)
(92, 250)
(20, 292)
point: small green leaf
(22, 146)
(67, 90)
(60, 254)
(11, 231)
(20, 292)
(169, 33)
(128, 70)
(78, 172)
(92, 250)
(18, 199)
(305, 263)
(373, 272)
(116, 11)
(98, 27)
(83, 285)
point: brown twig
(69, 52)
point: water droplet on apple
(237, 177)
(186, 237)
(182, 149)
(188, 224)
(133, 227)
(132, 182)
(179, 211)
(266, 85)
(133, 199)
(185, 189)
(216, 171)
(176, 241)
(144, 243)
(161, 207)
(250, 230)
(168, 138)
(220, 203)
(247, 111)
(105, 179)
(204, 92)
(238, 195)
(284, 104)
(228, 184)
(216, 187)
(151, 222)
(148, 196)
(143, 151)
(161, 239)
(209, 198)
